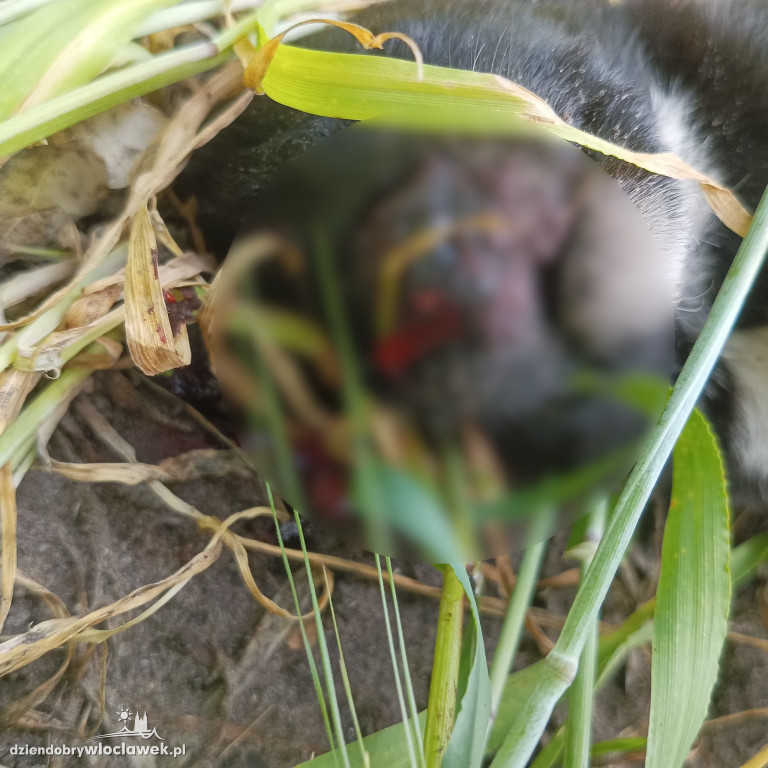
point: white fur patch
(747, 357)
(680, 134)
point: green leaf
(467, 744)
(746, 557)
(386, 747)
(410, 509)
(64, 45)
(519, 686)
(692, 598)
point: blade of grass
(19, 436)
(514, 619)
(562, 661)
(746, 557)
(330, 687)
(467, 744)
(693, 597)
(443, 687)
(8, 536)
(578, 730)
(107, 91)
(414, 713)
(409, 738)
(345, 677)
(359, 87)
(307, 647)
(65, 45)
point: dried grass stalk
(8, 521)
(187, 466)
(151, 342)
(48, 635)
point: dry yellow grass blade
(205, 462)
(220, 529)
(164, 160)
(151, 342)
(93, 305)
(48, 635)
(13, 711)
(8, 551)
(241, 556)
(59, 347)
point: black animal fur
(654, 75)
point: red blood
(417, 338)
(325, 480)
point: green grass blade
(307, 647)
(413, 711)
(107, 91)
(385, 747)
(345, 677)
(64, 45)
(514, 619)
(747, 557)
(467, 744)
(562, 661)
(409, 740)
(578, 734)
(330, 686)
(693, 597)
(444, 684)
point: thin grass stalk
(406, 671)
(330, 686)
(562, 662)
(441, 709)
(18, 437)
(393, 656)
(307, 647)
(345, 677)
(578, 734)
(54, 115)
(514, 619)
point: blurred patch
(436, 340)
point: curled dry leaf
(92, 306)
(151, 342)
